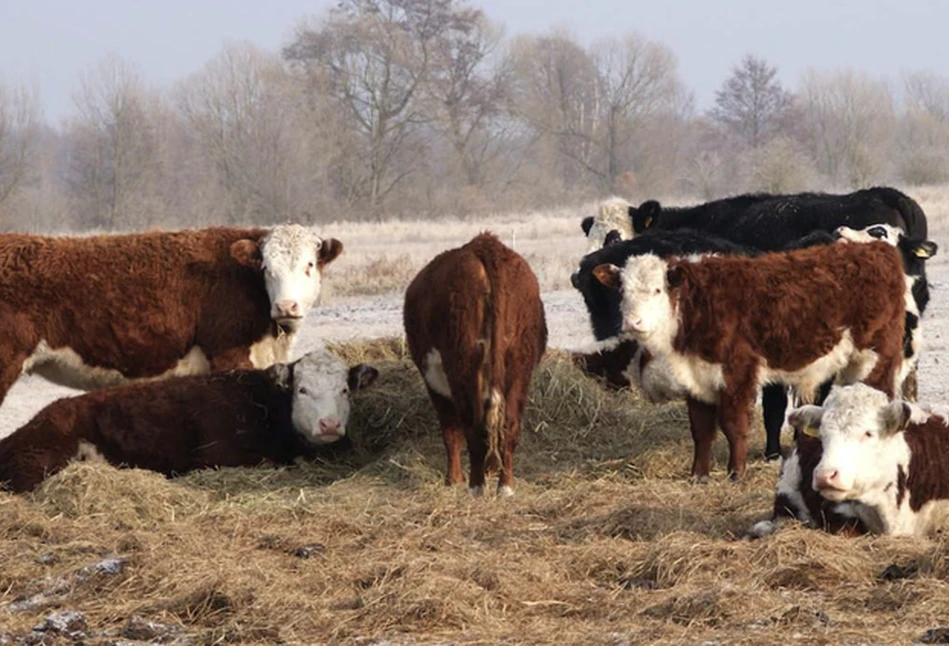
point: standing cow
(92, 312)
(725, 325)
(475, 327)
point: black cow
(769, 222)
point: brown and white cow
(227, 419)
(725, 325)
(92, 312)
(867, 464)
(475, 327)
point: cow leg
(477, 452)
(506, 481)
(452, 435)
(774, 403)
(702, 424)
(733, 415)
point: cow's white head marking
(322, 384)
(646, 306)
(611, 224)
(860, 431)
(291, 258)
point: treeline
(422, 108)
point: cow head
(861, 436)
(291, 258)
(913, 252)
(646, 216)
(646, 284)
(321, 385)
(610, 224)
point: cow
(92, 312)
(914, 253)
(226, 419)
(865, 464)
(475, 327)
(769, 222)
(728, 324)
(610, 224)
(617, 356)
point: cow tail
(491, 401)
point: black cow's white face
(912, 250)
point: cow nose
(329, 426)
(826, 478)
(636, 325)
(286, 309)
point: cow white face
(862, 446)
(646, 306)
(874, 233)
(322, 384)
(611, 224)
(291, 258)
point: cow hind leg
(702, 424)
(733, 415)
(774, 404)
(452, 435)
(477, 452)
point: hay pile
(604, 543)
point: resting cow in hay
(92, 312)
(226, 419)
(475, 327)
(864, 463)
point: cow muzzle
(828, 483)
(331, 429)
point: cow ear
(645, 216)
(361, 376)
(247, 253)
(328, 250)
(806, 420)
(281, 375)
(587, 224)
(896, 416)
(674, 276)
(608, 274)
(926, 249)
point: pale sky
(49, 42)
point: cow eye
(868, 435)
(302, 391)
(657, 291)
(877, 232)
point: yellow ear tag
(811, 431)
(922, 253)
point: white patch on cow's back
(88, 452)
(435, 375)
(64, 366)
(270, 350)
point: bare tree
(373, 57)
(849, 121)
(924, 129)
(752, 105)
(112, 161)
(19, 126)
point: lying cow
(617, 357)
(92, 312)
(727, 324)
(769, 222)
(227, 419)
(865, 464)
(475, 327)
(914, 253)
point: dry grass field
(605, 541)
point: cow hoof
(761, 529)
(698, 480)
(505, 491)
(772, 457)
(476, 492)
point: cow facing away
(866, 464)
(226, 419)
(93, 312)
(726, 325)
(475, 327)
